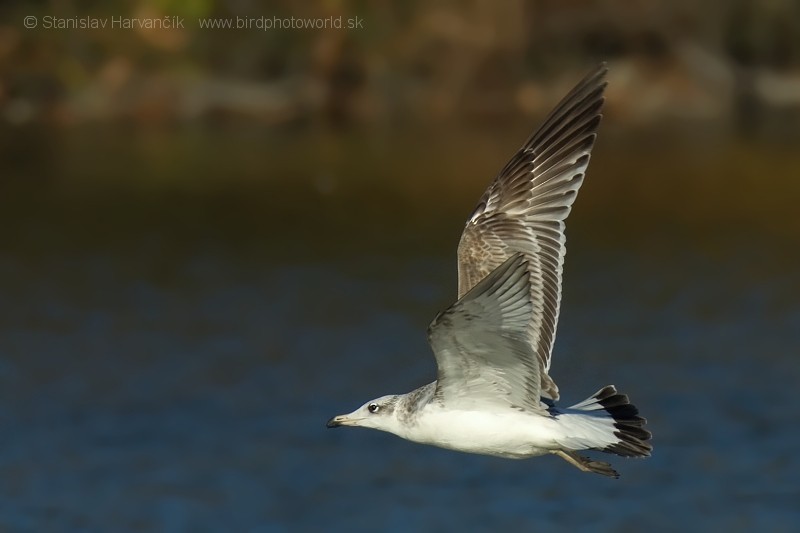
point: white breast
(511, 433)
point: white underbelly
(513, 434)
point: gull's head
(379, 413)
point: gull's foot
(587, 465)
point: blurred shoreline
(323, 135)
(737, 61)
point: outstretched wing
(524, 209)
(482, 346)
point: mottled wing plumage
(524, 209)
(482, 346)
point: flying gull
(493, 394)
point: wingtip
(596, 78)
(601, 69)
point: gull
(493, 394)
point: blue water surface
(191, 394)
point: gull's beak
(341, 420)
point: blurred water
(178, 377)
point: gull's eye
(373, 407)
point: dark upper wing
(524, 209)
(482, 346)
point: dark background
(211, 241)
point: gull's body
(493, 394)
(511, 434)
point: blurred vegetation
(412, 60)
(303, 134)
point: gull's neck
(410, 405)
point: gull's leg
(587, 465)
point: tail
(607, 422)
(628, 425)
